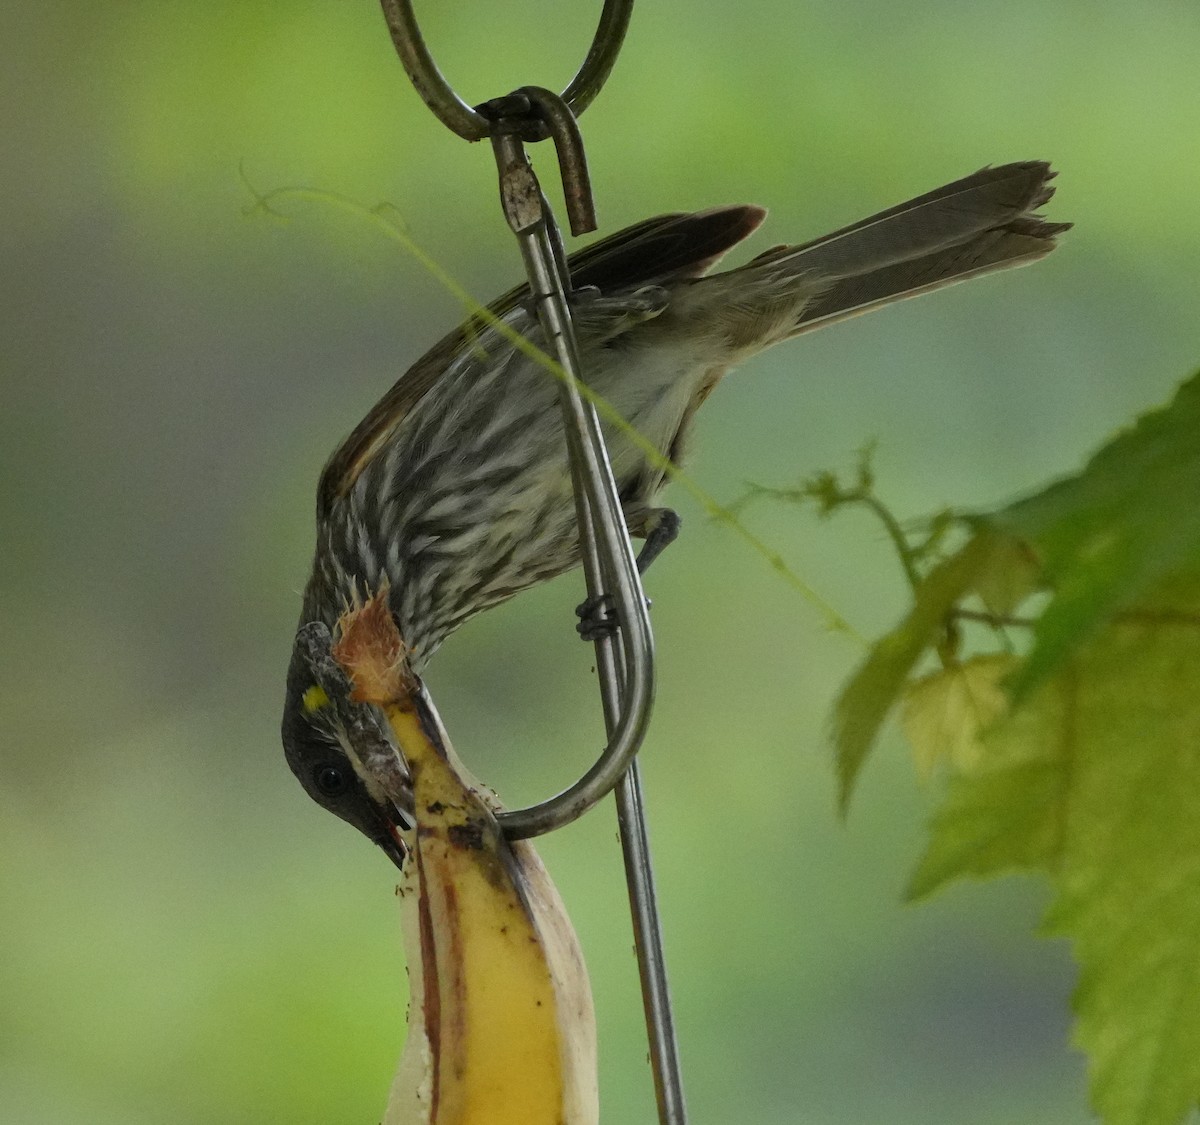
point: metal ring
(581, 91)
(469, 123)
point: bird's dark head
(331, 743)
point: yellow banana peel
(501, 1029)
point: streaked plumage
(455, 488)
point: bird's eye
(331, 780)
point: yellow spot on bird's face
(315, 698)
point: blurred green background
(183, 936)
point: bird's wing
(668, 246)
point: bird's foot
(597, 618)
(661, 530)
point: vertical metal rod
(609, 567)
(643, 907)
(647, 938)
(639, 874)
(652, 965)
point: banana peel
(501, 1028)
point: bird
(454, 492)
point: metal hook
(532, 113)
(572, 163)
(626, 671)
(469, 123)
(624, 661)
(608, 562)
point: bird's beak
(395, 821)
(393, 847)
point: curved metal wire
(625, 662)
(572, 163)
(581, 91)
(608, 561)
(468, 122)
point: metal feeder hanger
(625, 655)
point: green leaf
(872, 691)
(1129, 872)
(946, 713)
(1084, 765)
(1095, 780)
(1107, 534)
(1005, 811)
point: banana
(501, 1029)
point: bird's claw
(598, 617)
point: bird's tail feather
(976, 225)
(1015, 244)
